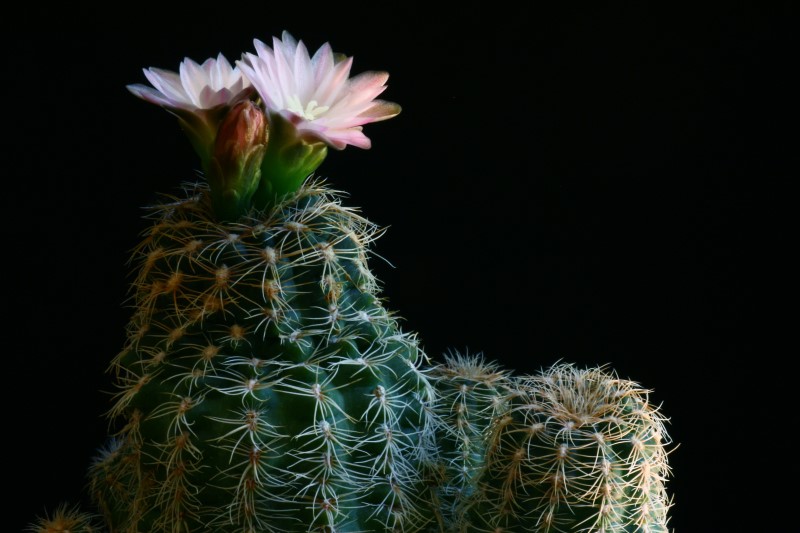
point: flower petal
(334, 83)
(303, 73)
(149, 94)
(169, 83)
(194, 80)
(381, 110)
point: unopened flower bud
(236, 161)
(242, 132)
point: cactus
(576, 451)
(264, 386)
(471, 393)
(263, 383)
(565, 450)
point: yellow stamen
(310, 112)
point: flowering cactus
(263, 386)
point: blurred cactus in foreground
(66, 520)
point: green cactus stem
(263, 387)
(470, 394)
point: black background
(586, 184)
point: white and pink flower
(317, 94)
(194, 87)
(262, 127)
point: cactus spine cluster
(65, 520)
(264, 387)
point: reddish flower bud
(236, 161)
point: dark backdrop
(581, 184)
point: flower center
(311, 111)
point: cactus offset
(470, 394)
(578, 450)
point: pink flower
(199, 95)
(316, 93)
(194, 87)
